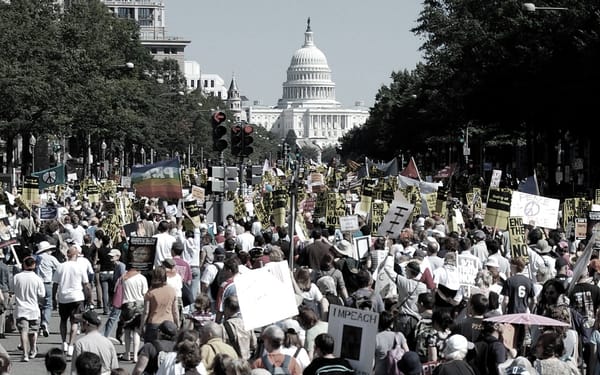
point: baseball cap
(168, 328)
(89, 316)
(457, 343)
(114, 253)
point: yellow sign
(518, 245)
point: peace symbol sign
(531, 209)
(49, 177)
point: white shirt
(191, 253)
(175, 282)
(47, 265)
(134, 288)
(70, 278)
(246, 241)
(29, 287)
(164, 243)
(171, 367)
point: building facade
(308, 105)
(150, 16)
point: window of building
(145, 16)
(219, 94)
(191, 83)
(153, 51)
(173, 51)
(212, 83)
(128, 13)
(205, 83)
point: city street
(36, 366)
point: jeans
(47, 305)
(113, 318)
(105, 283)
(195, 281)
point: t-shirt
(470, 328)
(161, 303)
(519, 289)
(329, 366)
(70, 277)
(149, 351)
(585, 298)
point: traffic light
(236, 140)
(247, 140)
(219, 130)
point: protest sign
(269, 286)
(395, 219)
(467, 268)
(48, 212)
(497, 208)
(349, 223)
(141, 253)
(353, 333)
(362, 245)
(377, 212)
(581, 228)
(518, 243)
(198, 193)
(534, 209)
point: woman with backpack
(292, 346)
(310, 293)
(389, 346)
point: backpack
(423, 331)
(277, 370)
(477, 358)
(393, 356)
(216, 283)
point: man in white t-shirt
(73, 289)
(29, 288)
(164, 242)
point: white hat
(456, 343)
(44, 246)
(114, 253)
(344, 247)
(492, 262)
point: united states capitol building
(308, 105)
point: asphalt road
(36, 365)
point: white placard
(71, 176)
(126, 181)
(3, 211)
(266, 295)
(468, 267)
(362, 246)
(496, 177)
(349, 223)
(353, 332)
(198, 193)
(395, 218)
(535, 210)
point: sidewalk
(36, 365)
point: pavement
(36, 365)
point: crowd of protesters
(184, 316)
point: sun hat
(43, 247)
(345, 248)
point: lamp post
(531, 7)
(143, 153)
(133, 149)
(32, 143)
(104, 164)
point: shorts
(68, 310)
(28, 326)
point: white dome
(308, 81)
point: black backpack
(477, 358)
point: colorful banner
(162, 179)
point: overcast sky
(364, 41)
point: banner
(162, 179)
(51, 177)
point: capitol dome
(309, 81)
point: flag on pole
(411, 170)
(51, 176)
(162, 180)
(446, 172)
(529, 185)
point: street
(36, 365)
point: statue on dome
(308, 24)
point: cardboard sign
(535, 210)
(48, 212)
(496, 177)
(518, 243)
(353, 332)
(198, 193)
(377, 211)
(349, 223)
(269, 286)
(141, 253)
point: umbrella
(527, 319)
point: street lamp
(531, 7)
(32, 143)
(143, 153)
(104, 163)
